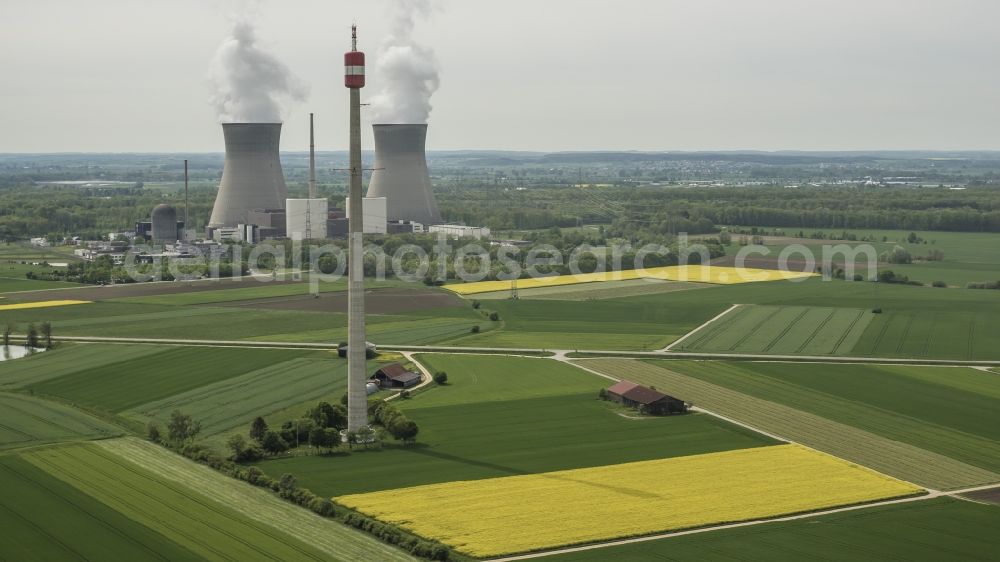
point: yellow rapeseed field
(538, 511)
(694, 273)
(40, 304)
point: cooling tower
(163, 224)
(252, 177)
(401, 173)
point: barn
(644, 399)
(395, 375)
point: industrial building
(271, 222)
(460, 231)
(400, 173)
(164, 227)
(306, 218)
(374, 211)
(251, 177)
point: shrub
(476, 304)
(602, 394)
(495, 316)
(153, 432)
(939, 284)
(273, 443)
(441, 377)
(404, 429)
(475, 329)
(258, 429)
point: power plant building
(461, 231)
(374, 210)
(252, 177)
(163, 225)
(306, 218)
(401, 175)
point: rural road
(555, 353)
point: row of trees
(33, 338)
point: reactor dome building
(252, 178)
(401, 175)
(163, 224)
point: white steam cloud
(250, 85)
(407, 72)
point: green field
(949, 410)
(26, 421)
(595, 291)
(162, 321)
(938, 334)
(501, 416)
(943, 321)
(44, 519)
(651, 321)
(782, 330)
(338, 541)
(968, 256)
(838, 436)
(198, 524)
(131, 382)
(295, 385)
(922, 531)
(66, 359)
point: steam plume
(407, 72)
(251, 85)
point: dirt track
(377, 301)
(991, 495)
(107, 292)
(764, 263)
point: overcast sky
(131, 75)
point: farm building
(395, 375)
(645, 399)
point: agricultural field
(280, 319)
(596, 291)
(39, 304)
(516, 513)
(503, 416)
(199, 525)
(334, 539)
(649, 322)
(125, 384)
(894, 401)
(938, 334)
(968, 256)
(782, 330)
(46, 519)
(230, 405)
(921, 531)
(26, 421)
(66, 359)
(798, 330)
(842, 434)
(693, 273)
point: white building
(306, 218)
(40, 242)
(460, 231)
(375, 214)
